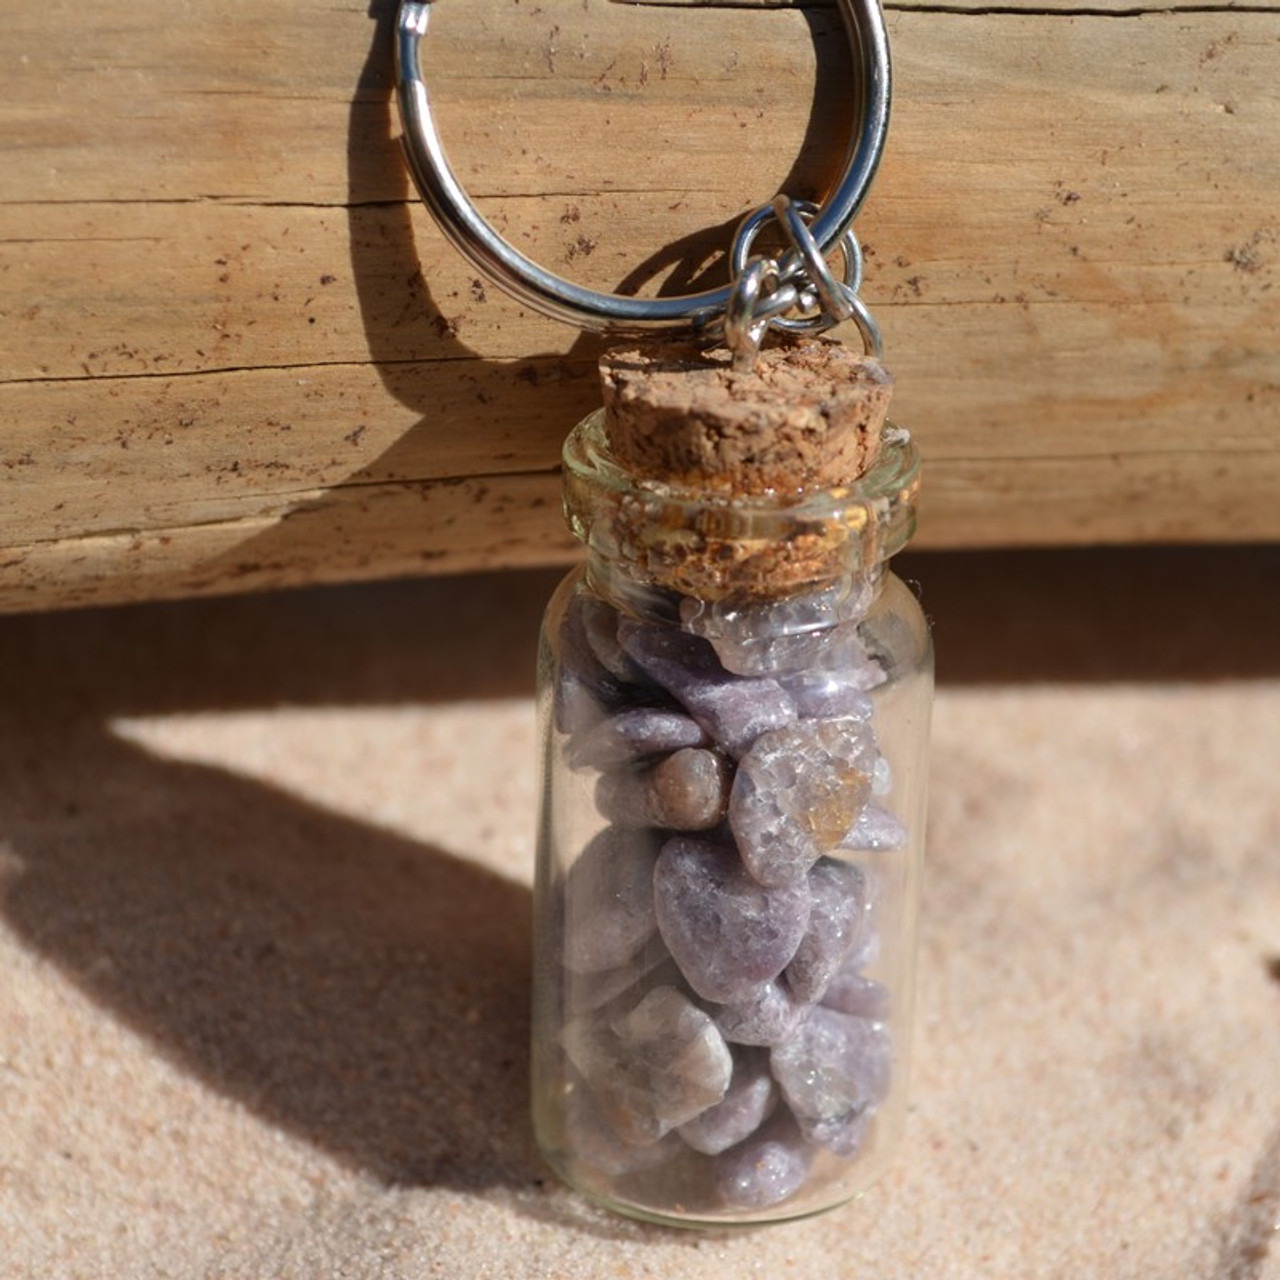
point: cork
(807, 416)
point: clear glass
(729, 845)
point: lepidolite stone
(852, 993)
(685, 791)
(727, 932)
(750, 1098)
(797, 793)
(596, 1144)
(767, 1016)
(766, 1169)
(839, 922)
(875, 830)
(777, 635)
(632, 734)
(653, 1068)
(832, 1069)
(733, 710)
(608, 900)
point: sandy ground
(264, 898)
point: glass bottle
(734, 698)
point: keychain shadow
(361, 991)
(413, 336)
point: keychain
(734, 694)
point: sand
(264, 896)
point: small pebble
(834, 1067)
(853, 993)
(843, 1135)
(875, 830)
(595, 1143)
(767, 1168)
(779, 635)
(751, 1096)
(767, 1016)
(727, 932)
(685, 791)
(733, 710)
(838, 923)
(651, 1069)
(608, 900)
(630, 735)
(797, 792)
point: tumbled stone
(843, 1135)
(595, 1143)
(585, 689)
(828, 695)
(653, 1068)
(837, 679)
(685, 791)
(650, 967)
(766, 1169)
(874, 830)
(735, 711)
(765, 1017)
(599, 629)
(631, 735)
(834, 1066)
(608, 900)
(750, 1098)
(797, 792)
(774, 636)
(839, 921)
(727, 932)
(853, 993)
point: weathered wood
(235, 353)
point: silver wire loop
(563, 300)
(822, 299)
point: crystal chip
(797, 793)
(727, 932)
(750, 1098)
(839, 922)
(608, 894)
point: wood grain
(235, 353)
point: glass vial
(734, 698)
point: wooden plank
(223, 320)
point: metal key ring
(563, 300)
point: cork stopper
(739, 465)
(807, 416)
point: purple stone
(875, 830)
(839, 922)
(797, 793)
(775, 636)
(685, 791)
(834, 1067)
(751, 1096)
(653, 1068)
(727, 933)
(608, 900)
(861, 997)
(631, 735)
(733, 710)
(766, 1017)
(844, 1134)
(838, 679)
(596, 1144)
(650, 967)
(766, 1169)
